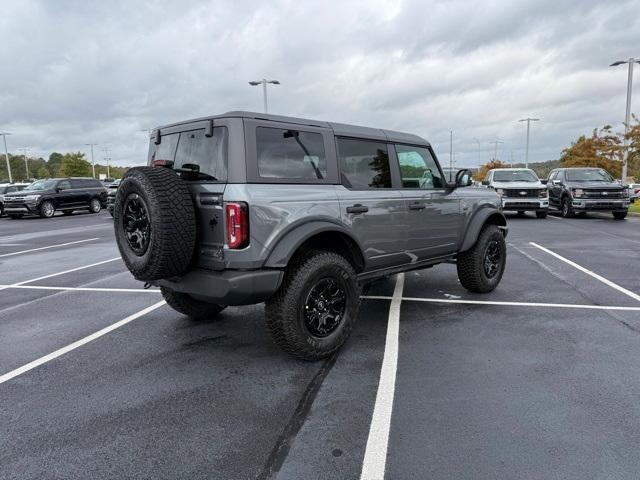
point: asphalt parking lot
(539, 379)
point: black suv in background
(581, 190)
(44, 197)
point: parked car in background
(45, 197)
(9, 188)
(112, 188)
(520, 190)
(582, 190)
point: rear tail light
(163, 163)
(237, 222)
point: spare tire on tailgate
(155, 223)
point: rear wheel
(541, 214)
(314, 310)
(47, 210)
(187, 305)
(480, 269)
(567, 210)
(95, 206)
(619, 215)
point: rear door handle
(357, 208)
(417, 206)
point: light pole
(478, 142)
(495, 153)
(6, 154)
(107, 151)
(93, 164)
(526, 151)
(25, 151)
(264, 82)
(627, 119)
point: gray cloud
(73, 72)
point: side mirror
(557, 182)
(486, 183)
(464, 178)
(544, 182)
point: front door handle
(417, 206)
(357, 208)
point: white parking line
(47, 247)
(72, 346)
(60, 273)
(629, 293)
(507, 304)
(375, 455)
(82, 289)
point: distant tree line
(72, 164)
(604, 148)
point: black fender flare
(478, 220)
(294, 237)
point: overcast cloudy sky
(76, 71)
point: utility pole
(93, 164)
(495, 153)
(107, 152)
(25, 151)
(631, 61)
(526, 151)
(264, 82)
(6, 155)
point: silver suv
(243, 208)
(520, 190)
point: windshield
(41, 185)
(588, 175)
(515, 176)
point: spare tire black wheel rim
(492, 259)
(325, 307)
(136, 224)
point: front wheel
(480, 269)
(187, 305)
(567, 210)
(619, 215)
(95, 206)
(314, 310)
(47, 210)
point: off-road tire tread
(187, 305)
(470, 263)
(281, 309)
(173, 222)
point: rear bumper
(228, 287)
(600, 205)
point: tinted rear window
(194, 147)
(292, 154)
(364, 164)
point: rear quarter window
(290, 154)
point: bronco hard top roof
(339, 129)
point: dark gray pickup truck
(243, 208)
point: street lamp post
(25, 151)
(526, 151)
(495, 152)
(93, 164)
(264, 82)
(631, 61)
(6, 154)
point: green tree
(42, 172)
(74, 165)
(54, 163)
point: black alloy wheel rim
(136, 224)
(325, 306)
(492, 259)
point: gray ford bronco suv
(243, 208)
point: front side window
(64, 185)
(418, 168)
(285, 153)
(364, 164)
